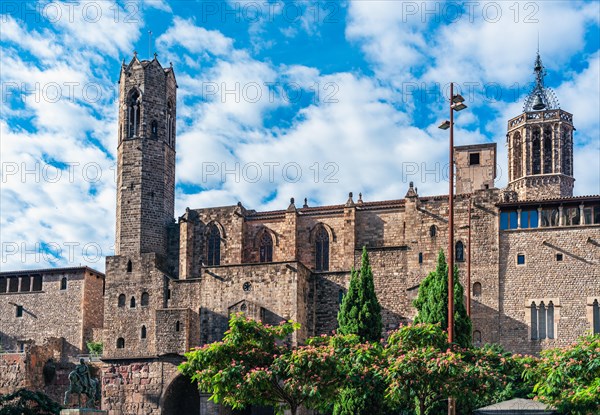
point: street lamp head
(445, 125)
(459, 106)
(457, 99)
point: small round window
(247, 286)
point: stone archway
(181, 397)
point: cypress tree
(432, 302)
(360, 312)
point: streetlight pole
(456, 104)
(451, 224)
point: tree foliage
(254, 364)
(26, 402)
(360, 312)
(360, 315)
(432, 302)
(569, 378)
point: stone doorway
(181, 397)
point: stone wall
(567, 283)
(71, 313)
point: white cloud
(194, 38)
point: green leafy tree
(26, 402)
(432, 302)
(569, 378)
(254, 364)
(360, 315)
(360, 312)
(95, 348)
(421, 370)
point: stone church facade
(533, 249)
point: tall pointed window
(134, 104)
(534, 322)
(214, 246)
(266, 248)
(460, 252)
(596, 317)
(517, 156)
(536, 155)
(170, 124)
(547, 158)
(433, 231)
(143, 333)
(322, 250)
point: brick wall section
(71, 313)
(567, 283)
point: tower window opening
(536, 152)
(132, 302)
(433, 231)
(63, 283)
(145, 299)
(143, 333)
(121, 300)
(120, 343)
(214, 246)
(19, 311)
(177, 325)
(477, 289)
(134, 114)
(25, 283)
(129, 266)
(473, 159)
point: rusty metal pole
(451, 406)
(451, 224)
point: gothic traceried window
(547, 157)
(266, 248)
(517, 156)
(214, 246)
(536, 152)
(134, 104)
(322, 250)
(542, 320)
(460, 252)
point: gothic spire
(540, 97)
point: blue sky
(276, 100)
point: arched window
(596, 317)
(129, 266)
(145, 299)
(476, 337)
(433, 231)
(266, 248)
(550, 320)
(420, 257)
(340, 296)
(120, 343)
(170, 124)
(322, 250)
(547, 156)
(132, 302)
(63, 283)
(542, 321)
(536, 164)
(134, 113)
(121, 302)
(214, 246)
(143, 333)
(154, 129)
(517, 156)
(477, 289)
(534, 322)
(459, 252)
(177, 326)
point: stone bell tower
(540, 145)
(145, 157)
